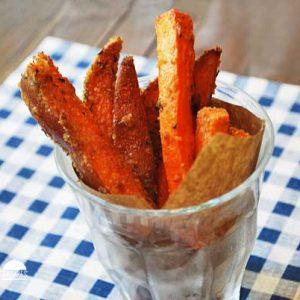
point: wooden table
(24, 23)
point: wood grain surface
(258, 37)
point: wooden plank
(23, 25)
(90, 22)
(137, 29)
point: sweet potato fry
(52, 101)
(163, 190)
(176, 57)
(150, 98)
(238, 132)
(205, 73)
(99, 85)
(130, 130)
(210, 120)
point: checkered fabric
(41, 226)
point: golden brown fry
(175, 41)
(130, 131)
(99, 85)
(150, 98)
(205, 73)
(52, 101)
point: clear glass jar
(199, 252)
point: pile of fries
(124, 140)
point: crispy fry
(176, 57)
(99, 85)
(150, 98)
(205, 73)
(210, 120)
(238, 132)
(163, 190)
(52, 101)
(130, 131)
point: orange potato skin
(52, 101)
(130, 130)
(176, 57)
(238, 132)
(205, 73)
(210, 120)
(99, 85)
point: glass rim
(79, 187)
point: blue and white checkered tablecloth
(41, 226)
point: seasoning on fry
(150, 97)
(52, 101)
(130, 130)
(99, 85)
(205, 73)
(175, 50)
